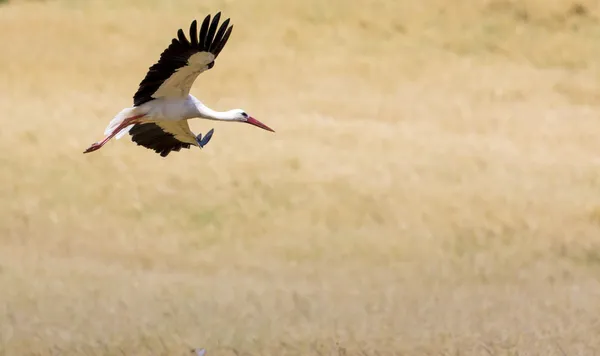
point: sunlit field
(432, 188)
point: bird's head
(241, 116)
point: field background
(433, 187)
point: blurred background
(433, 187)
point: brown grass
(433, 187)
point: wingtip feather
(204, 31)
(194, 33)
(223, 42)
(219, 36)
(182, 38)
(210, 36)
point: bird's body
(163, 103)
(171, 109)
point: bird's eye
(245, 115)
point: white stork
(163, 105)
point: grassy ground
(433, 187)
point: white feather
(118, 119)
(123, 132)
(180, 129)
(178, 85)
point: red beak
(253, 121)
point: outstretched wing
(164, 137)
(181, 63)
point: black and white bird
(163, 105)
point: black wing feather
(212, 30)
(181, 37)
(219, 35)
(194, 34)
(222, 42)
(153, 137)
(178, 53)
(204, 30)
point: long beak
(253, 121)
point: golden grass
(432, 188)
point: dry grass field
(433, 187)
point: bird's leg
(98, 145)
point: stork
(163, 104)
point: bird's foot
(202, 141)
(95, 146)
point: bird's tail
(118, 119)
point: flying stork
(163, 104)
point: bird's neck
(207, 113)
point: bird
(162, 104)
